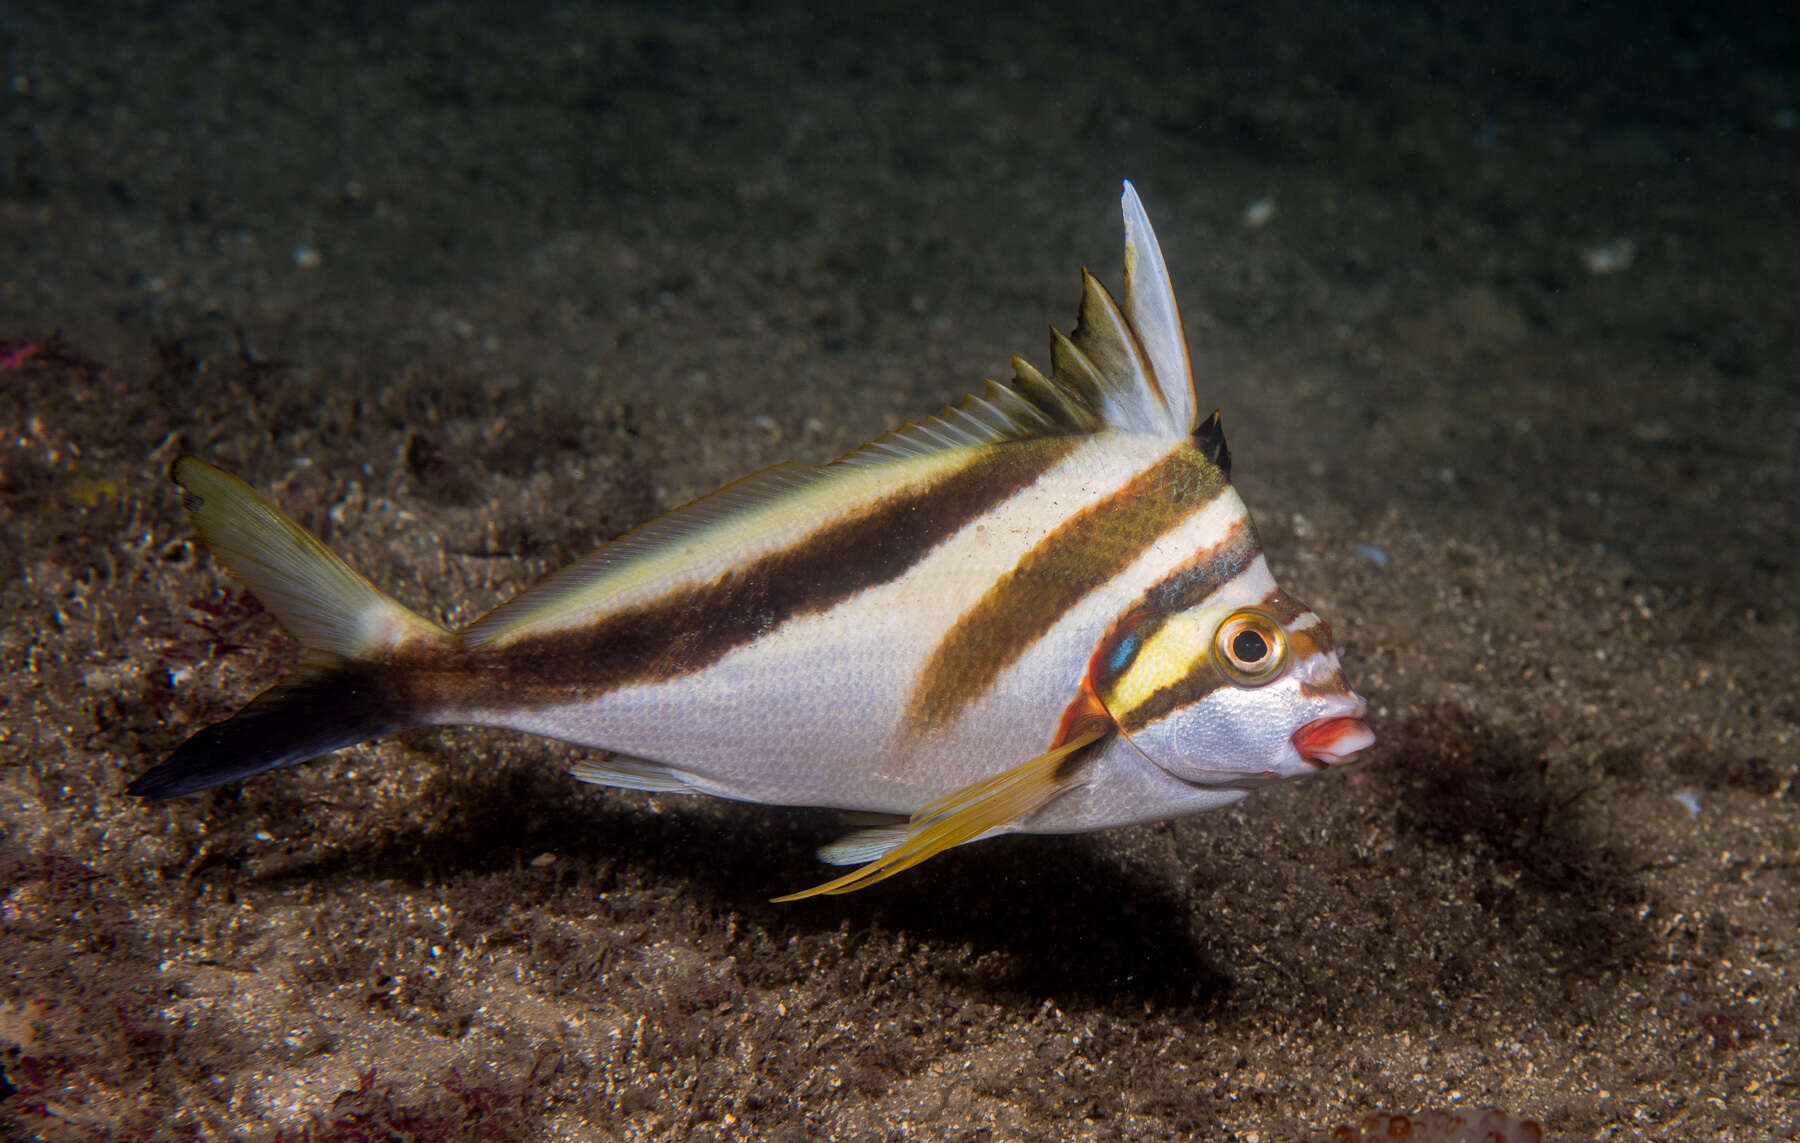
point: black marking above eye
(1210, 439)
(1249, 647)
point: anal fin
(961, 817)
(865, 844)
(627, 773)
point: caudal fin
(351, 684)
(315, 712)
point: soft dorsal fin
(1015, 412)
(555, 595)
(1123, 368)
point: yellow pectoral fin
(968, 813)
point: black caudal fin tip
(208, 759)
(285, 725)
(228, 752)
(159, 782)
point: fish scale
(1044, 610)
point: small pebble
(1259, 213)
(1613, 257)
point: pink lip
(1333, 739)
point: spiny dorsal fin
(1124, 369)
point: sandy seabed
(1501, 314)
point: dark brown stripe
(1310, 641)
(692, 628)
(1197, 684)
(1316, 640)
(1088, 549)
(1185, 587)
(1336, 683)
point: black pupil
(1249, 646)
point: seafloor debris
(1613, 257)
(1491, 1126)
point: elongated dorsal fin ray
(1124, 368)
(1150, 307)
(554, 596)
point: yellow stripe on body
(1179, 647)
(1160, 656)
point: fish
(1044, 610)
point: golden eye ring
(1250, 647)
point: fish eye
(1250, 647)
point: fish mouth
(1329, 740)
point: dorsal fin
(1123, 369)
(565, 589)
(1150, 306)
(1001, 413)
